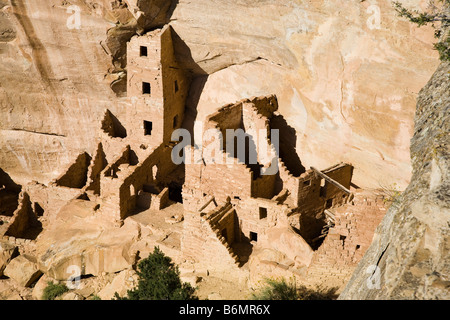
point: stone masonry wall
(346, 243)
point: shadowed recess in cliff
(147, 16)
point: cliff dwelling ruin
(227, 216)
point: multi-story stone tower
(157, 88)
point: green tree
(159, 279)
(438, 15)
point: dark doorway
(175, 193)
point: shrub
(159, 279)
(437, 13)
(390, 194)
(282, 290)
(53, 290)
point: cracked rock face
(345, 83)
(411, 245)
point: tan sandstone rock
(345, 83)
(124, 281)
(24, 270)
(7, 252)
(39, 287)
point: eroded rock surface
(344, 82)
(409, 254)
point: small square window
(143, 51)
(306, 183)
(148, 126)
(253, 236)
(146, 89)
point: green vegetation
(53, 290)
(159, 279)
(390, 194)
(281, 290)
(438, 15)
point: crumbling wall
(265, 106)
(160, 200)
(200, 242)
(97, 165)
(157, 164)
(112, 126)
(342, 173)
(25, 223)
(227, 117)
(220, 180)
(346, 243)
(50, 198)
(263, 187)
(258, 215)
(123, 181)
(309, 200)
(76, 175)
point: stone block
(24, 270)
(7, 252)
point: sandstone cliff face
(411, 244)
(344, 81)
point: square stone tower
(157, 88)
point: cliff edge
(408, 258)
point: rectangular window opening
(148, 126)
(146, 89)
(175, 121)
(143, 51)
(262, 213)
(175, 86)
(253, 236)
